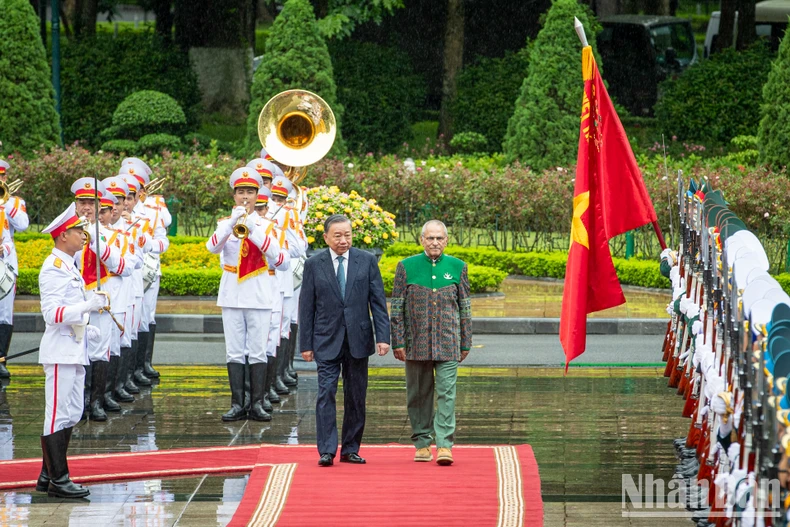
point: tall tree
(84, 17)
(544, 129)
(774, 133)
(28, 119)
(453, 62)
(212, 24)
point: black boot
(148, 369)
(285, 349)
(60, 485)
(6, 330)
(247, 389)
(279, 386)
(142, 346)
(236, 379)
(257, 383)
(42, 485)
(130, 361)
(86, 392)
(98, 383)
(110, 404)
(121, 395)
(271, 374)
(267, 386)
(292, 351)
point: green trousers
(420, 387)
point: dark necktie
(341, 276)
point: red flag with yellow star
(610, 198)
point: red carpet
(486, 485)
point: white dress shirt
(334, 256)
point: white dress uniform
(13, 218)
(63, 352)
(246, 306)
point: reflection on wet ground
(587, 430)
(518, 297)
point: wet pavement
(587, 430)
(518, 297)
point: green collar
(430, 260)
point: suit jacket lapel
(329, 271)
(352, 270)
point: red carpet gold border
(274, 496)
(510, 488)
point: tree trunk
(164, 18)
(747, 32)
(606, 7)
(726, 25)
(453, 61)
(321, 8)
(85, 12)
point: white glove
(251, 223)
(719, 406)
(692, 310)
(237, 213)
(93, 333)
(724, 428)
(95, 302)
(696, 327)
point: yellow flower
(395, 234)
(375, 221)
(367, 240)
(320, 206)
(319, 214)
(347, 210)
(319, 228)
(344, 200)
(310, 239)
(330, 210)
(385, 235)
(365, 214)
(325, 197)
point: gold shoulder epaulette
(58, 262)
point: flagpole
(577, 25)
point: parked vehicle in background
(640, 51)
(770, 17)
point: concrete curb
(212, 324)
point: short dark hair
(335, 218)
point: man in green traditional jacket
(431, 323)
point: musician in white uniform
(65, 305)
(154, 208)
(245, 294)
(288, 221)
(13, 218)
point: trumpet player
(109, 267)
(153, 210)
(249, 249)
(13, 218)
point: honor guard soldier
(121, 290)
(248, 249)
(13, 218)
(265, 169)
(154, 208)
(286, 219)
(98, 270)
(65, 306)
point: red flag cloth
(610, 198)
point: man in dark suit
(341, 287)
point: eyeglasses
(434, 238)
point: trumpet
(9, 189)
(240, 230)
(155, 185)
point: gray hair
(434, 223)
(335, 218)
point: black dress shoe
(325, 461)
(352, 458)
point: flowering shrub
(372, 226)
